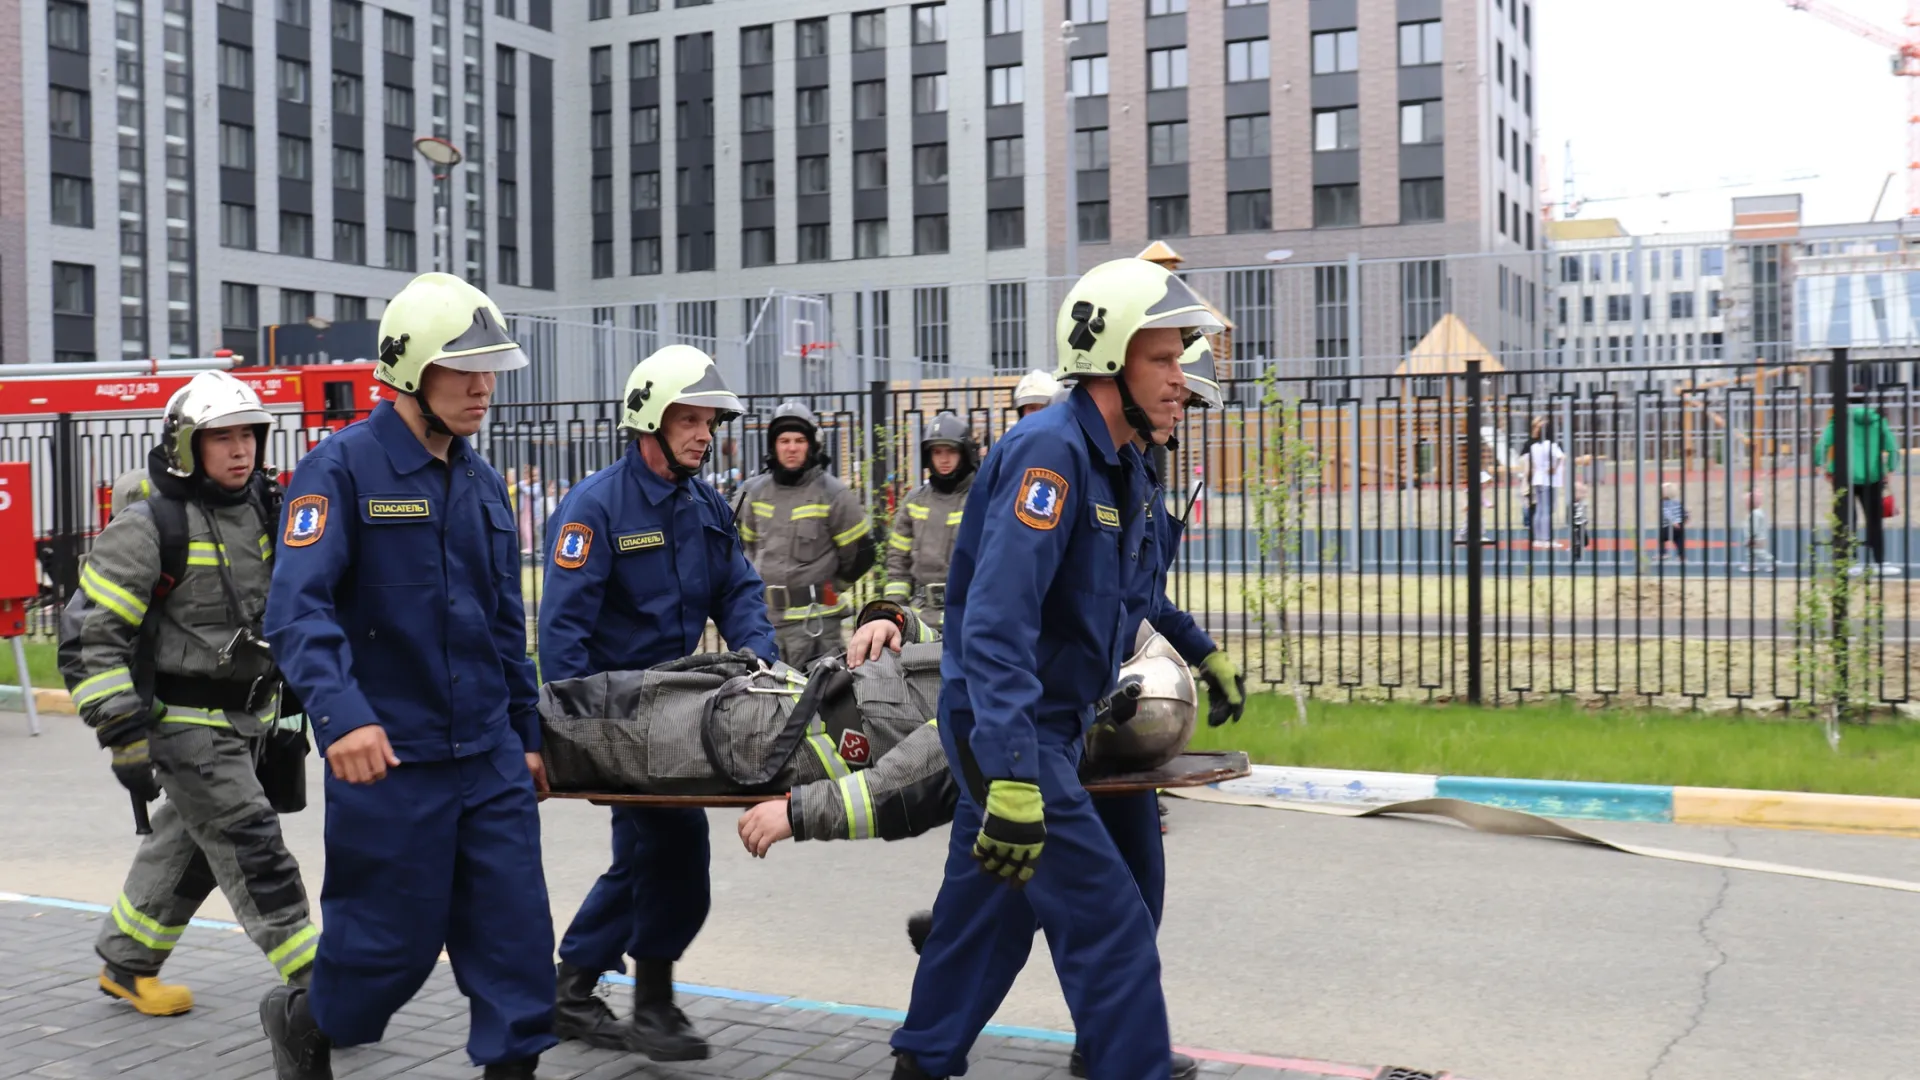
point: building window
(67, 25)
(815, 176)
(72, 199)
(1167, 143)
(349, 169)
(296, 234)
(236, 226)
(1422, 200)
(346, 20)
(600, 130)
(1166, 68)
(869, 170)
(870, 100)
(816, 243)
(236, 67)
(1586, 309)
(1712, 261)
(1528, 95)
(1090, 149)
(1248, 136)
(294, 81)
(293, 12)
(1087, 11)
(643, 124)
(1679, 263)
(1422, 302)
(1006, 157)
(930, 164)
(1090, 76)
(1336, 205)
(1244, 3)
(756, 180)
(645, 255)
(69, 112)
(72, 289)
(696, 249)
(869, 31)
(296, 158)
(642, 7)
(810, 106)
(870, 239)
(1336, 51)
(930, 341)
(756, 247)
(1166, 7)
(239, 306)
(930, 234)
(400, 253)
(1006, 229)
(1526, 24)
(399, 178)
(1093, 222)
(1420, 122)
(396, 34)
(1336, 129)
(600, 194)
(643, 57)
(1004, 16)
(399, 106)
(929, 24)
(599, 9)
(809, 38)
(1680, 306)
(930, 93)
(644, 187)
(695, 187)
(1247, 60)
(600, 65)
(692, 53)
(1419, 43)
(236, 146)
(603, 258)
(349, 242)
(1007, 325)
(349, 308)
(1167, 216)
(1249, 211)
(347, 94)
(1006, 85)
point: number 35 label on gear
(1043, 495)
(306, 520)
(570, 550)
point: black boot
(579, 1013)
(301, 1051)
(660, 1030)
(905, 1068)
(1183, 1067)
(512, 1070)
(919, 925)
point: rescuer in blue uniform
(395, 611)
(1037, 606)
(643, 554)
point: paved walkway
(55, 1024)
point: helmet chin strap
(434, 423)
(679, 471)
(1131, 409)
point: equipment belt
(196, 692)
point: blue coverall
(396, 602)
(1050, 534)
(638, 564)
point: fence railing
(1651, 535)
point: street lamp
(443, 156)
(1281, 255)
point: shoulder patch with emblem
(570, 550)
(640, 541)
(306, 520)
(1042, 497)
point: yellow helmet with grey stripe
(441, 319)
(675, 375)
(1112, 302)
(1203, 384)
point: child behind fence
(1577, 515)
(1753, 535)
(1673, 521)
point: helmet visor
(482, 346)
(1180, 307)
(236, 418)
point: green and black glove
(1014, 831)
(134, 769)
(1226, 688)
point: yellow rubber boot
(146, 993)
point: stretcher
(1194, 769)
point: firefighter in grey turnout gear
(807, 534)
(929, 519)
(164, 657)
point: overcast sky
(1671, 95)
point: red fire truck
(322, 395)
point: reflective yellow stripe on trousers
(143, 928)
(296, 952)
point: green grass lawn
(41, 664)
(1565, 742)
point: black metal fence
(1649, 534)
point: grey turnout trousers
(214, 828)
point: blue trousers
(1098, 929)
(1133, 821)
(438, 853)
(653, 899)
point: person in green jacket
(1872, 454)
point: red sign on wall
(17, 578)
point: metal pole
(1070, 214)
(26, 686)
(1474, 561)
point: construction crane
(1905, 60)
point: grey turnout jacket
(103, 659)
(921, 544)
(799, 537)
(857, 751)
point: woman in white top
(1548, 465)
